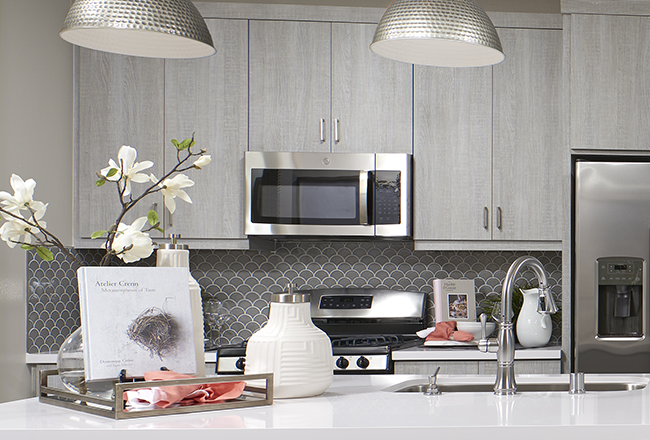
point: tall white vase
(533, 328)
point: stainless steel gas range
(364, 324)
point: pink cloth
(446, 331)
(166, 396)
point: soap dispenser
(290, 346)
(173, 254)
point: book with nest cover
(138, 319)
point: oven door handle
(363, 197)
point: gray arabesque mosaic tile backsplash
(244, 280)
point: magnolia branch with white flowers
(125, 241)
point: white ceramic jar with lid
(174, 254)
(290, 346)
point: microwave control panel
(387, 207)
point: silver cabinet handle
(336, 130)
(322, 130)
(499, 215)
(363, 198)
(486, 217)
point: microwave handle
(363, 197)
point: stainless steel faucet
(504, 345)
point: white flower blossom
(171, 188)
(127, 168)
(23, 197)
(202, 161)
(130, 243)
(14, 228)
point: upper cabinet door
(372, 97)
(452, 153)
(610, 89)
(290, 86)
(120, 102)
(209, 96)
(528, 145)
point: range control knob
(342, 363)
(363, 362)
(240, 364)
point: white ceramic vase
(290, 346)
(533, 328)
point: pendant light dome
(446, 33)
(145, 28)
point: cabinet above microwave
(328, 194)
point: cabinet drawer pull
(486, 217)
(336, 130)
(499, 215)
(322, 130)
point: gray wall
(36, 142)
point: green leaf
(97, 234)
(100, 182)
(152, 217)
(27, 247)
(176, 144)
(111, 172)
(45, 253)
(159, 229)
(185, 144)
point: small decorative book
(138, 319)
(454, 300)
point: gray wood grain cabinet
(488, 144)
(145, 103)
(316, 86)
(209, 96)
(610, 91)
(476, 367)
(120, 101)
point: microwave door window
(308, 197)
(328, 203)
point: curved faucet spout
(505, 345)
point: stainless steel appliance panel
(611, 251)
(347, 185)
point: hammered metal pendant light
(145, 28)
(446, 33)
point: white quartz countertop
(356, 407)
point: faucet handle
(483, 319)
(432, 389)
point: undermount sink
(526, 384)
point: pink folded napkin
(180, 395)
(446, 331)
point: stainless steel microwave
(328, 194)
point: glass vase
(70, 362)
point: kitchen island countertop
(357, 407)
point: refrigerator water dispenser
(620, 297)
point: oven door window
(306, 197)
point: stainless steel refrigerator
(611, 250)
